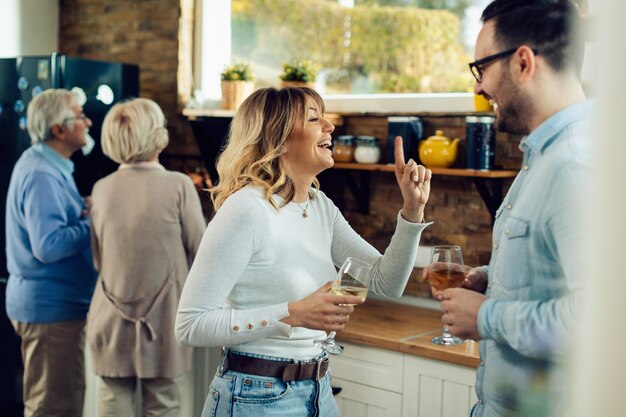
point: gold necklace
(304, 212)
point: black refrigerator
(21, 79)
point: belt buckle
(224, 361)
(318, 368)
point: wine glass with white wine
(346, 283)
(446, 270)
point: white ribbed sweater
(253, 260)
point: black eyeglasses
(477, 71)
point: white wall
(29, 27)
(600, 364)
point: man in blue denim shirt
(528, 63)
(49, 257)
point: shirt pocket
(513, 262)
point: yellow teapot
(438, 151)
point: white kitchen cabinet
(381, 383)
(437, 389)
(358, 400)
(370, 381)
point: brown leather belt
(287, 371)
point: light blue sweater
(47, 241)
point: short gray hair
(51, 107)
(133, 131)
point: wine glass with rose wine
(346, 283)
(446, 270)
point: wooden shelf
(210, 127)
(451, 172)
(491, 194)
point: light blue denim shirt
(535, 272)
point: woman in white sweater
(259, 285)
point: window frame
(337, 103)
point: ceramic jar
(344, 149)
(367, 151)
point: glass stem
(331, 337)
(446, 333)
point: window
(372, 55)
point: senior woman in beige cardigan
(146, 224)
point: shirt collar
(542, 136)
(142, 164)
(66, 166)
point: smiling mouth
(325, 144)
(492, 101)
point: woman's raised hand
(414, 182)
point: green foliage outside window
(270, 31)
(456, 6)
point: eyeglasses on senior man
(81, 116)
(477, 71)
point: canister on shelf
(410, 129)
(480, 142)
(367, 151)
(344, 148)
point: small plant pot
(284, 84)
(234, 93)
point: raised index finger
(399, 153)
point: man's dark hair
(550, 26)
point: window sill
(400, 103)
(372, 104)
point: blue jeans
(236, 394)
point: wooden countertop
(404, 329)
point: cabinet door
(437, 389)
(356, 400)
(377, 368)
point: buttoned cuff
(262, 319)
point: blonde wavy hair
(258, 134)
(134, 131)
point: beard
(89, 143)
(514, 108)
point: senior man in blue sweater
(49, 259)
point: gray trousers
(160, 397)
(54, 368)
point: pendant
(304, 214)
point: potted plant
(236, 85)
(298, 74)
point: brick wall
(455, 205)
(146, 33)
